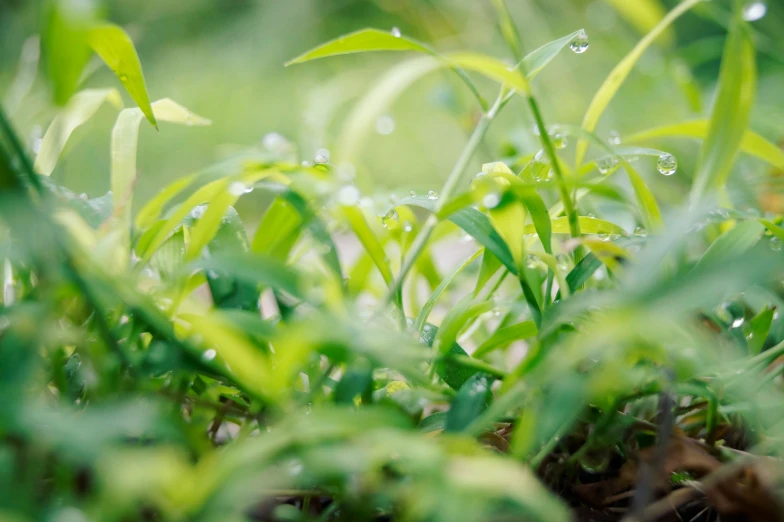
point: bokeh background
(224, 60)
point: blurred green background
(224, 59)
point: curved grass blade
(424, 313)
(475, 224)
(81, 107)
(456, 319)
(125, 139)
(470, 401)
(613, 82)
(643, 15)
(732, 243)
(369, 241)
(115, 47)
(64, 45)
(368, 40)
(731, 111)
(588, 225)
(751, 143)
(504, 336)
(535, 61)
(278, 231)
(254, 269)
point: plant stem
(571, 215)
(454, 177)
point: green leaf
(732, 243)
(229, 292)
(80, 108)
(535, 61)
(492, 68)
(456, 320)
(581, 273)
(369, 241)
(356, 381)
(368, 40)
(504, 336)
(278, 231)
(116, 49)
(751, 143)
(588, 225)
(125, 139)
(424, 313)
(453, 373)
(618, 75)
(731, 110)
(364, 40)
(470, 402)
(64, 44)
(254, 269)
(475, 224)
(759, 326)
(646, 201)
(644, 15)
(434, 422)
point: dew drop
(322, 157)
(198, 211)
(603, 237)
(667, 164)
(407, 226)
(496, 312)
(640, 231)
(273, 141)
(391, 219)
(209, 355)
(305, 164)
(83, 196)
(754, 11)
(412, 194)
(559, 141)
(775, 244)
(385, 125)
(737, 323)
(615, 138)
(348, 195)
(239, 188)
(396, 32)
(580, 43)
(605, 165)
(491, 199)
(432, 195)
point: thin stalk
(449, 186)
(571, 214)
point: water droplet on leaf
(348, 195)
(209, 355)
(667, 164)
(615, 138)
(391, 219)
(238, 188)
(385, 125)
(412, 194)
(432, 195)
(396, 32)
(322, 157)
(775, 244)
(580, 43)
(754, 11)
(640, 231)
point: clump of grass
(170, 366)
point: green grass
(488, 350)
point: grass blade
(751, 143)
(116, 49)
(618, 75)
(80, 108)
(731, 110)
